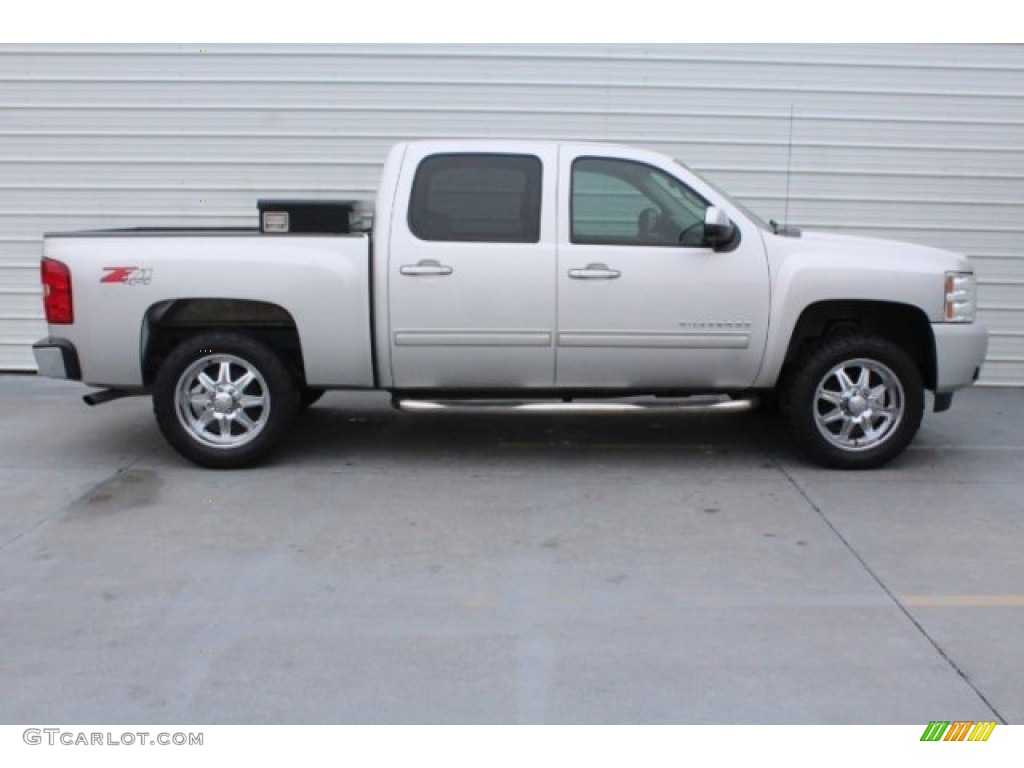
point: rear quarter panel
(321, 281)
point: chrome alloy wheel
(222, 401)
(858, 404)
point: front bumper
(959, 352)
(57, 359)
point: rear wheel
(854, 402)
(224, 400)
(308, 396)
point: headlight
(961, 297)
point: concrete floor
(390, 568)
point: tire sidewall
(280, 389)
(800, 392)
(308, 396)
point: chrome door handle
(595, 272)
(425, 267)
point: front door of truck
(643, 302)
(471, 271)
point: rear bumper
(959, 352)
(57, 359)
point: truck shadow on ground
(328, 433)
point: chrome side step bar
(105, 396)
(675, 405)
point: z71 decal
(127, 275)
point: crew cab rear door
(471, 270)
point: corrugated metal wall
(924, 143)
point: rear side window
(477, 198)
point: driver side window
(620, 202)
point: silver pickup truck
(516, 276)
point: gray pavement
(393, 568)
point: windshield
(732, 201)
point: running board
(682, 405)
(105, 396)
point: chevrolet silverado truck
(514, 276)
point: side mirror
(719, 232)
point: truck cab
(553, 267)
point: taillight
(57, 292)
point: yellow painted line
(963, 601)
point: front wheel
(224, 400)
(854, 402)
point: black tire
(853, 402)
(224, 400)
(767, 402)
(308, 396)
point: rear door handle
(425, 267)
(595, 272)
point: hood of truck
(867, 252)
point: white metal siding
(923, 143)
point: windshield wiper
(782, 229)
